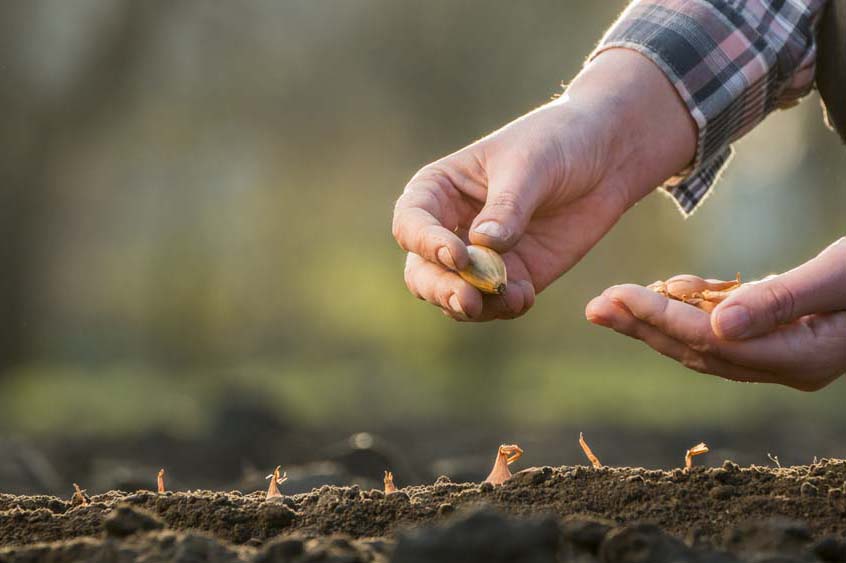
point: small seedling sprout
(275, 480)
(389, 483)
(505, 456)
(696, 450)
(160, 485)
(79, 497)
(774, 459)
(588, 452)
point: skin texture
(545, 188)
(788, 329)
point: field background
(196, 210)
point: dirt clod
(585, 535)
(776, 536)
(482, 536)
(529, 477)
(643, 543)
(722, 492)
(126, 519)
(808, 490)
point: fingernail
(592, 312)
(492, 229)
(599, 321)
(445, 258)
(455, 305)
(734, 321)
(595, 317)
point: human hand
(545, 188)
(788, 329)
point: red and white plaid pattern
(732, 62)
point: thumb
(511, 200)
(818, 286)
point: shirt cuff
(731, 66)
(690, 189)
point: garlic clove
(486, 270)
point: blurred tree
(38, 130)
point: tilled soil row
(705, 507)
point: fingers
(518, 298)
(441, 287)
(460, 300)
(513, 196)
(818, 286)
(418, 226)
(692, 327)
(606, 312)
(678, 320)
(805, 355)
(421, 218)
(614, 315)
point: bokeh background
(197, 267)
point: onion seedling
(588, 452)
(275, 480)
(698, 449)
(389, 483)
(505, 456)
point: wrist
(650, 134)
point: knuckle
(428, 172)
(409, 282)
(443, 291)
(520, 307)
(434, 176)
(506, 202)
(410, 278)
(529, 301)
(408, 275)
(703, 345)
(781, 301)
(656, 316)
(693, 360)
(430, 238)
(396, 229)
(450, 315)
(422, 243)
(509, 313)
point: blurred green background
(197, 198)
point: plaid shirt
(731, 61)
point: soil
(569, 514)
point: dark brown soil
(609, 514)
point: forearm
(732, 63)
(652, 134)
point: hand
(545, 188)
(788, 329)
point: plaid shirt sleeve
(731, 61)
